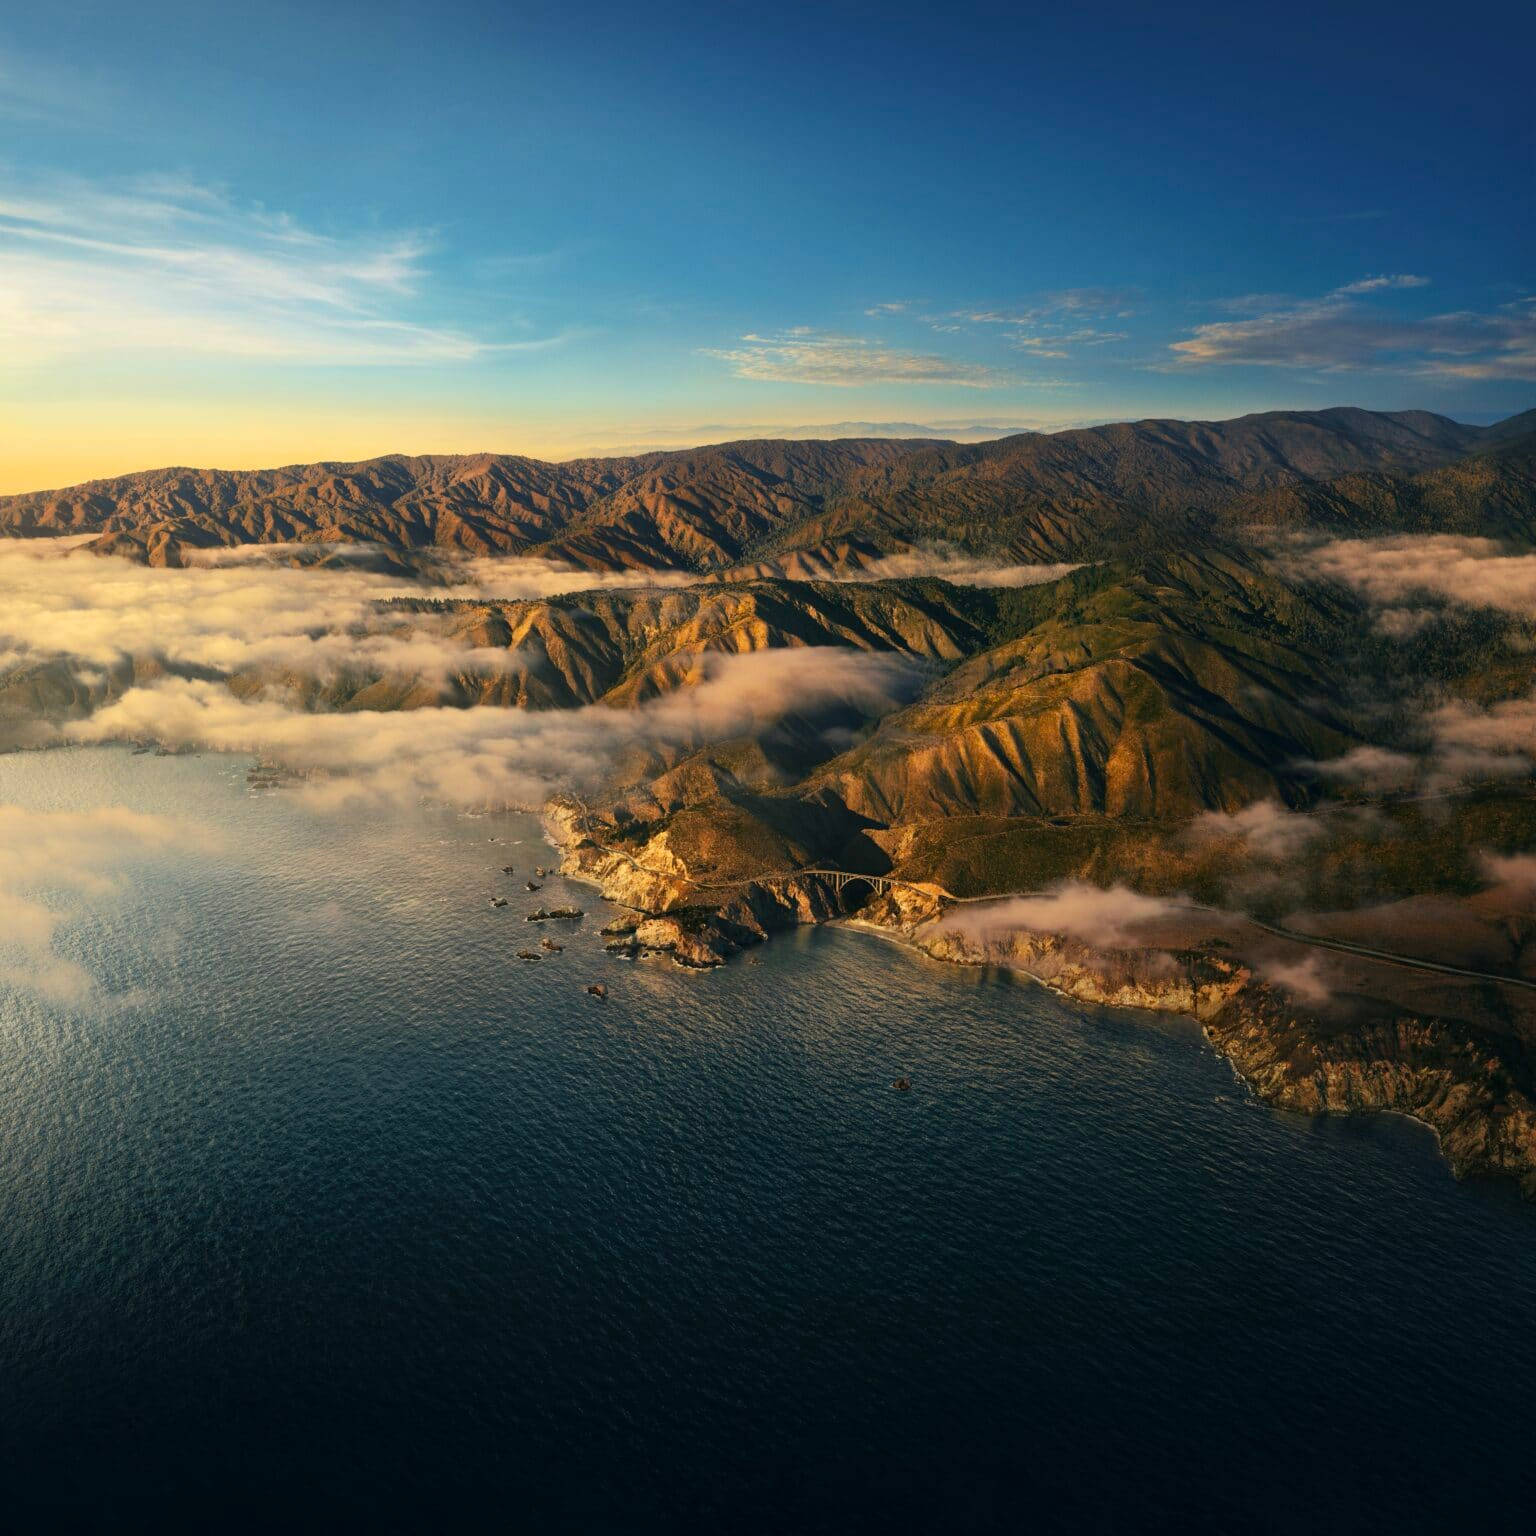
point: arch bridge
(842, 878)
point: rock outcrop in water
(1442, 1070)
(1169, 702)
(1365, 1056)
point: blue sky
(254, 234)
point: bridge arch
(840, 879)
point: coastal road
(1317, 941)
(1295, 935)
(1388, 957)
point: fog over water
(244, 612)
(317, 1206)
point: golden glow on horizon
(64, 442)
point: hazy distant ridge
(1059, 496)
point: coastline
(1371, 1056)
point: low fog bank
(1395, 568)
(436, 573)
(1467, 744)
(248, 612)
(1112, 917)
(963, 570)
(500, 758)
(854, 564)
(1436, 592)
(225, 616)
(53, 861)
(252, 607)
(1266, 830)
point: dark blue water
(327, 1212)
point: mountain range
(1061, 496)
(1146, 655)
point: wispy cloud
(954, 565)
(1266, 829)
(1514, 873)
(1466, 744)
(1070, 304)
(1408, 579)
(804, 355)
(164, 265)
(1305, 979)
(1342, 331)
(1496, 742)
(1112, 917)
(1406, 567)
(34, 90)
(1384, 281)
(248, 608)
(1059, 343)
(491, 757)
(947, 562)
(1048, 325)
(53, 861)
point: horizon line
(801, 434)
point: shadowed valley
(1271, 678)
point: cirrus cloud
(160, 265)
(1050, 325)
(1339, 332)
(805, 355)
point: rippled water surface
(328, 1211)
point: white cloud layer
(1396, 574)
(489, 757)
(1493, 743)
(242, 613)
(962, 569)
(1304, 979)
(1111, 917)
(1513, 874)
(1467, 744)
(243, 608)
(53, 860)
(1375, 768)
(1478, 572)
(1266, 829)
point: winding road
(932, 888)
(1388, 957)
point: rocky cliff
(1464, 1080)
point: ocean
(321, 1209)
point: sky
(243, 236)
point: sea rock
(697, 949)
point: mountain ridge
(1074, 494)
(1171, 702)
